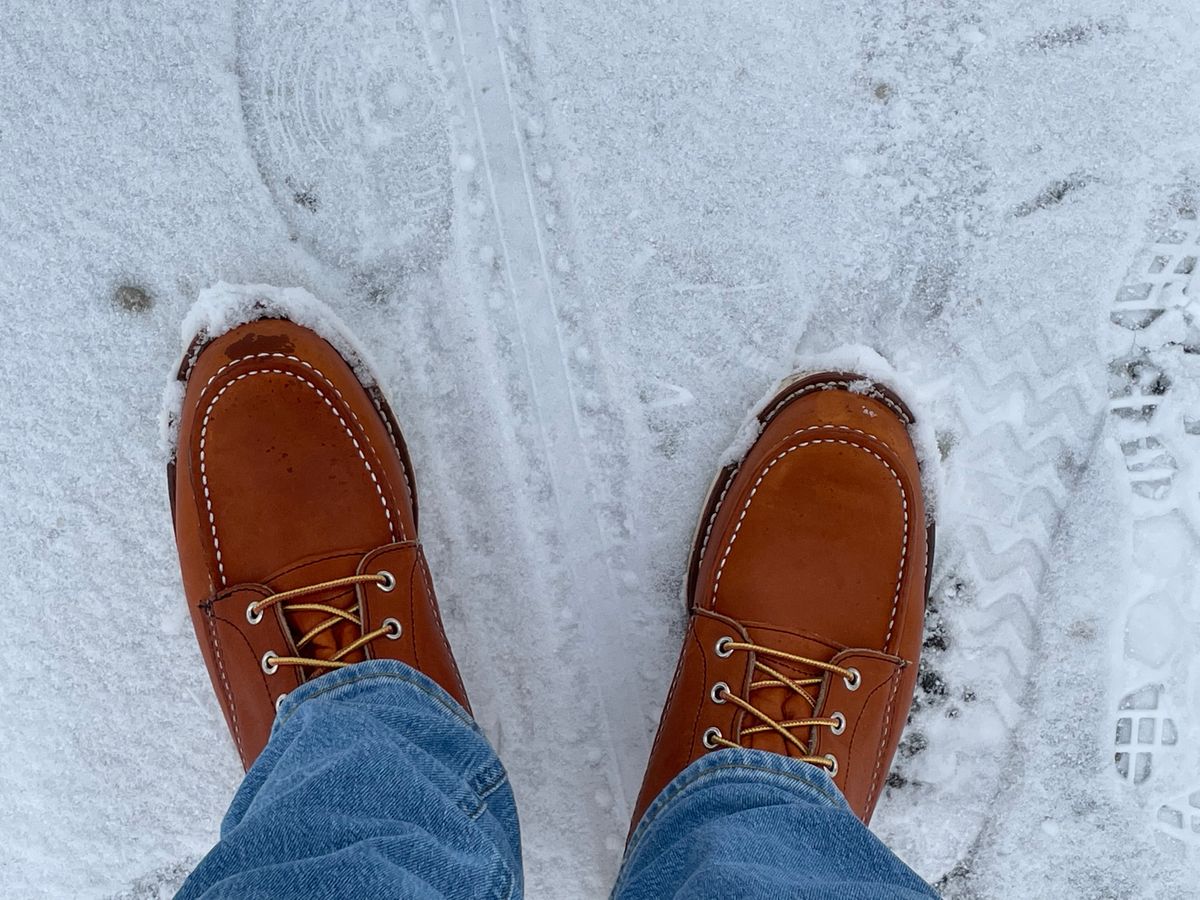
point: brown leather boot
(296, 521)
(806, 589)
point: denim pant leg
(376, 784)
(750, 824)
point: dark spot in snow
(132, 298)
(914, 742)
(968, 695)
(1082, 630)
(956, 876)
(896, 780)
(933, 683)
(1072, 35)
(945, 442)
(302, 194)
(1051, 195)
(1069, 467)
(936, 640)
(305, 198)
(883, 91)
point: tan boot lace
(390, 628)
(722, 694)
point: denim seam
(482, 796)
(509, 887)
(667, 798)
(485, 792)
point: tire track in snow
(484, 34)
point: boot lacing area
(721, 693)
(389, 628)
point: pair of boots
(296, 520)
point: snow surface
(580, 241)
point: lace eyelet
(833, 764)
(854, 682)
(709, 739)
(395, 629)
(722, 647)
(269, 667)
(279, 700)
(841, 723)
(389, 581)
(254, 613)
(718, 692)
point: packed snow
(579, 242)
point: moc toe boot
(296, 522)
(806, 591)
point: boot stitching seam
(203, 465)
(758, 482)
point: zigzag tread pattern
(1026, 419)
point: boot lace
(721, 693)
(389, 628)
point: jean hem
(371, 670)
(805, 779)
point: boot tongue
(782, 703)
(327, 568)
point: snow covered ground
(581, 240)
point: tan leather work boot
(296, 521)
(806, 589)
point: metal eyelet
(841, 723)
(279, 700)
(833, 764)
(389, 580)
(854, 682)
(269, 667)
(718, 692)
(395, 629)
(722, 648)
(709, 738)
(254, 614)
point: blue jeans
(376, 784)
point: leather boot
(296, 521)
(806, 592)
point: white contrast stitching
(716, 509)
(325, 378)
(758, 482)
(732, 475)
(887, 730)
(204, 436)
(874, 394)
(209, 615)
(766, 417)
